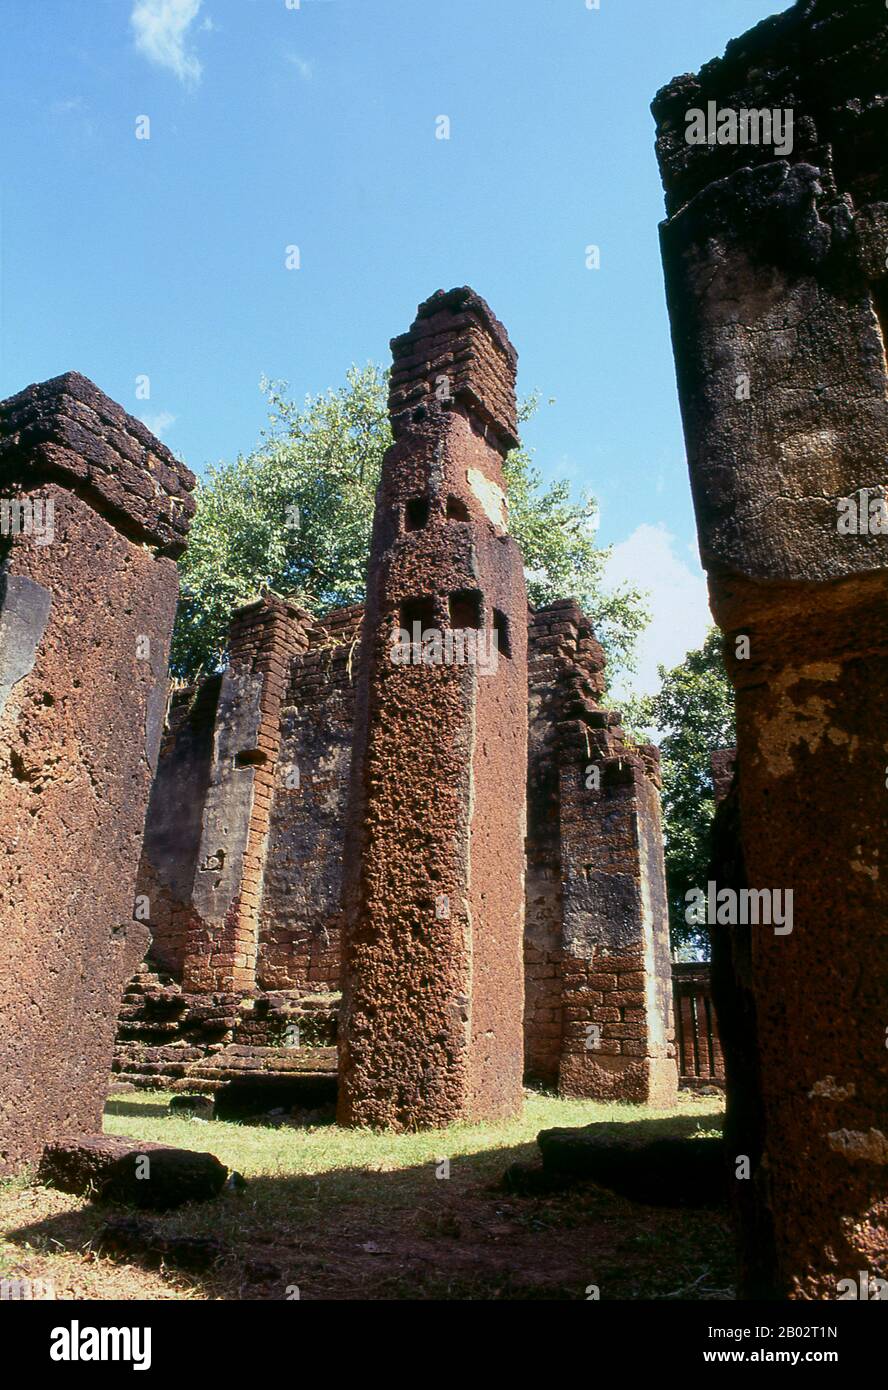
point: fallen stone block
(671, 1172)
(111, 1168)
(200, 1107)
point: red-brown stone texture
(722, 763)
(245, 856)
(300, 919)
(168, 1034)
(174, 823)
(599, 1015)
(222, 943)
(245, 831)
(244, 862)
(778, 295)
(87, 599)
(432, 960)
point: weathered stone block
(112, 1168)
(668, 1172)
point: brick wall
(599, 1010)
(559, 670)
(173, 824)
(223, 936)
(299, 932)
(297, 860)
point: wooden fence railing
(697, 1044)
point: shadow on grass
(642, 1130)
(115, 1106)
(371, 1232)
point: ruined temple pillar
(93, 513)
(431, 1030)
(598, 1021)
(222, 939)
(775, 261)
(617, 982)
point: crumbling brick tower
(599, 1002)
(222, 938)
(431, 1030)
(778, 295)
(94, 511)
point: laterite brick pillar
(93, 513)
(222, 939)
(432, 960)
(778, 295)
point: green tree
(295, 516)
(556, 534)
(692, 714)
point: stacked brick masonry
(67, 431)
(456, 346)
(174, 821)
(223, 937)
(195, 1042)
(564, 663)
(421, 753)
(432, 997)
(300, 918)
(608, 945)
(614, 1044)
(698, 1045)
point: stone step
(130, 1031)
(277, 1061)
(140, 1082)
(155, 1066)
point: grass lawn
(347, 1214)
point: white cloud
(677, 599)
(161, 27)
(158, 424)
(300, 64)
(65, 108)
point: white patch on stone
(792, 724)
(491, 497)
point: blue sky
(315, 126)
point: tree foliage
(295, 516)
(693, 714)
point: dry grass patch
(347, 1214)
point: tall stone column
(93, 513)
(618, 1031)
(222, 940)
(775, 257)
(599, 988)
(432, 965)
